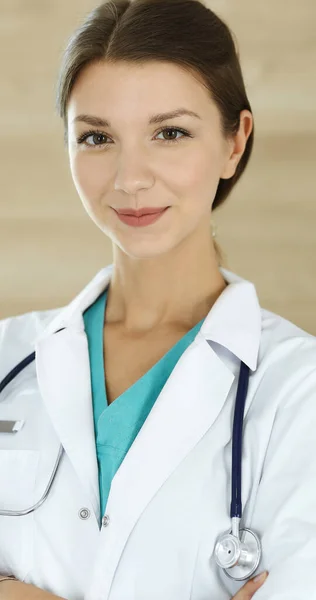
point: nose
(133, 174)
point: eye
(171, 129)
(98, 137)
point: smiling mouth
(143, 220)
(141, 212)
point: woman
(136, 379)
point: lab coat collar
(234, 320)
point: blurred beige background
(49, 247)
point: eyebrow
(159, 118)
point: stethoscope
(238, 551)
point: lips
(141, 212)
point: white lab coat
(170, 498)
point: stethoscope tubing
(236, 503)
(16, 371)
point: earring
(214, 229)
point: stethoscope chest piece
(239, 558)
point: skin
(165, 274)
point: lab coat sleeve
(285, 510)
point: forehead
(127, 89)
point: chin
(143, 249)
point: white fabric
(170, 498)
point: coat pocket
(18, 470)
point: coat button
(84, 513)
(105, 520)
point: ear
(237, 144)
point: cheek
(89, 175)
(195, 177)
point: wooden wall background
(267, 229)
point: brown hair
(184, 32)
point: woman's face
(119, 159)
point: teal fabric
(117, 425)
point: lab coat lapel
(64, 379)
(185, 410)
(63, 371)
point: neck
(176, 289)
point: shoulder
(18, 334)
(287, 360)
(280, 338)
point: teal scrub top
(117, 425)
